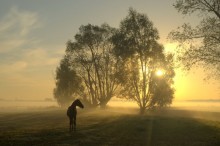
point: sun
(159, 72)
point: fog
(27, 105)
(198, 105)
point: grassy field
(116, 127)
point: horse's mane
(75, 102)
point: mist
(22, 105)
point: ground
(116, 127)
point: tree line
(104, 62)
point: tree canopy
(107, 62)
(136, 43)
(201, 43)
(67, 82)
(93, 60)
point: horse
(72, 112)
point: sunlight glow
(170, 47)
(159, 73)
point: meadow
(112, 126)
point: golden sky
(33, 35)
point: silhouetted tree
(161, 86)
(136, 44)
(201, 43)
(67, 83)
(93, 60)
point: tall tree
(202, 43)
(67, 83)
(136, 43)
(92, 58)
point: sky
(33, 36)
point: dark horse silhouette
(72, 112)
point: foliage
(93, 60)
(67, 83)
(107, 62)
(161, 87)
(136, 43)
(202, 43)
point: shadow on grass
(102, 128)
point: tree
(202, 43)
(161, 87)
(136, 44)
(94, 62)
(67, 83)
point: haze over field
(33, 38)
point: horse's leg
(71, 124)
(74, 122)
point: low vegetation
(110, 127)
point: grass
(116, 127)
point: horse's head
(78, 103)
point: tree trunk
(103, 105)
(142, 110)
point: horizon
(20, 106)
